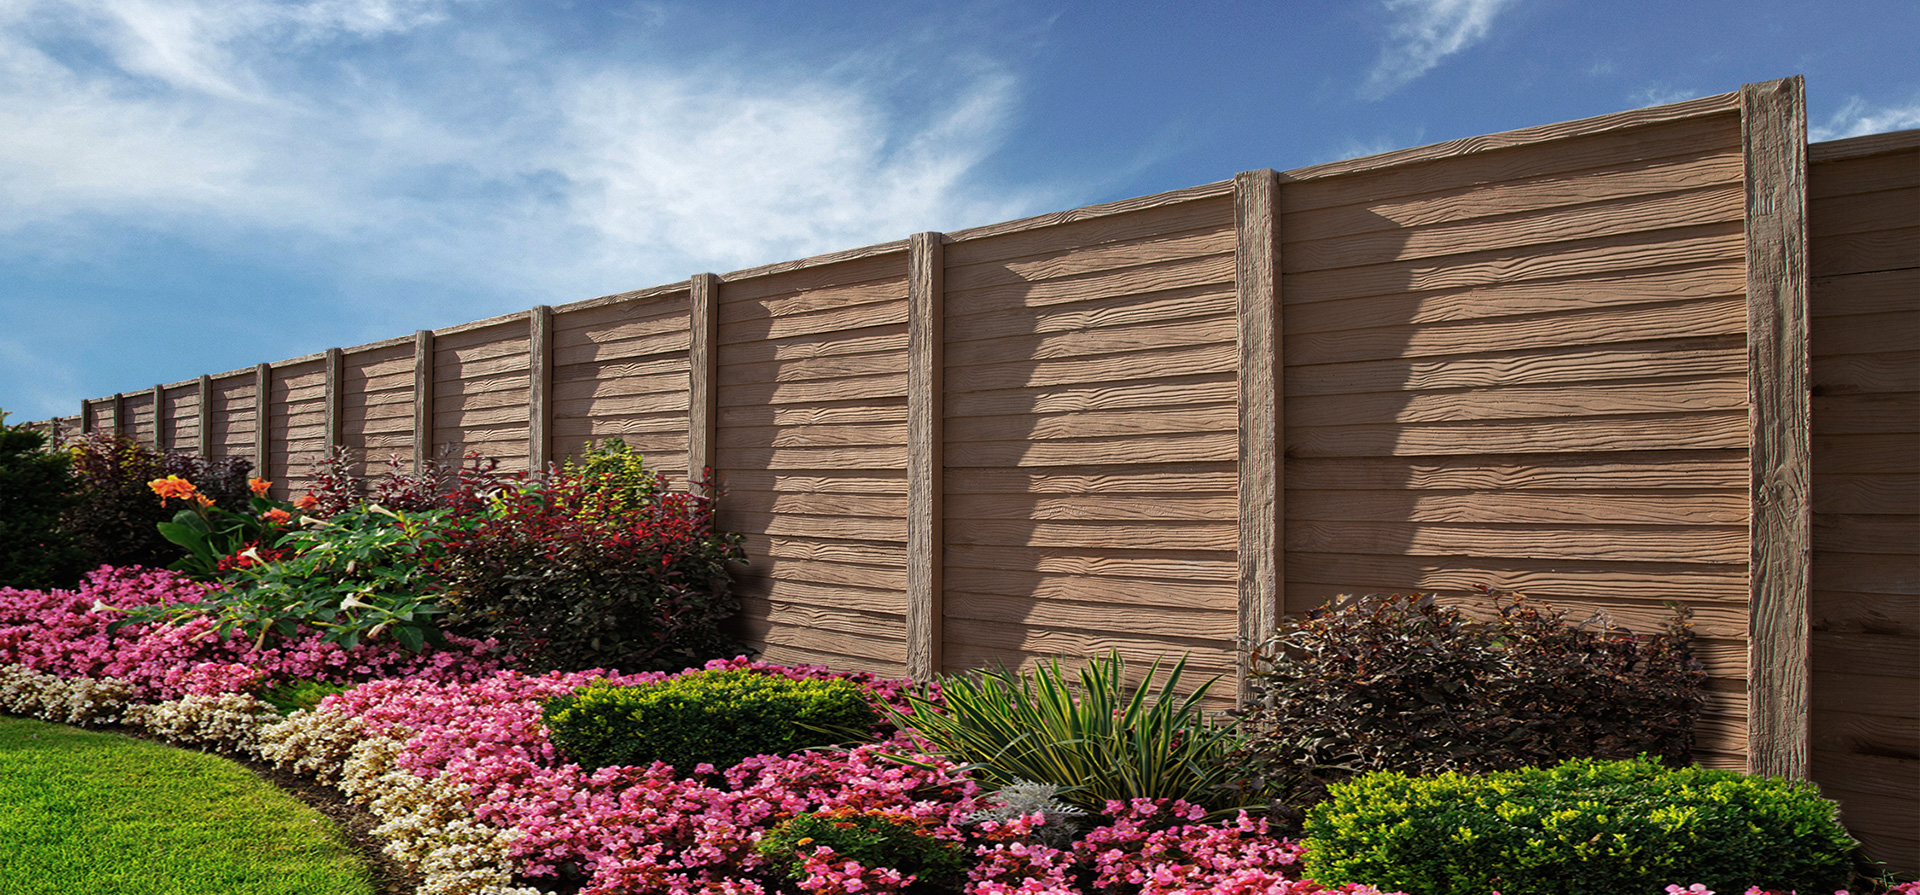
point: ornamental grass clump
(1097, 739)
(713, 717)
(1585, 827)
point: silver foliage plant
(1022, 798)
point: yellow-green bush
(1585, 827)
(714, 717)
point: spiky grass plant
(1097, 740)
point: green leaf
(410, 637)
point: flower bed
(71, 634)
(448, 749)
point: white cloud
(1661, 95)
(1353, 147)
(1424, 33)
(1857, 118)
(744, 173)
(490, 164)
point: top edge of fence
(621, 298)
(497, 320)
(1869, 144)
(1091, 212)
(1717, 104)
(1701, 107)
(898, 246)
(393, 342)
(296, 361)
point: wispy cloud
(1424, 32)
(1353, 147)
(743, 171)
(1662, 94)
(490, 161)
(1857, 118)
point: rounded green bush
(1585, 827)
(713, 717)
(871, 839)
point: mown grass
(89, 812)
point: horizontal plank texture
(296, 424)
(1091, 438)
(620, 371)
(1535, 382)
(1865, 615)
(810, 443)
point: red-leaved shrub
(593, 567)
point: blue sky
(195, 186)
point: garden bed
(516, 761)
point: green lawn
(98, 814)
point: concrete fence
(1666, 355)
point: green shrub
(36, 487)
(1096, 741)
(296, 695)
(363, 574)
(1402, 683)
(871, 839)
(1585, 827)
(713, 717)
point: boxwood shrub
(1584, 827)
(870, 838)
(716, 717)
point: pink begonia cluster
(647, 830)
(634, 829)
(1153, 847)
(1911, 888)
(64, 633)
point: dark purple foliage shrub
(337, 487)
(1403, 683)
(117, 517)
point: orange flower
(307, 503)
(173, 486)
(202, 500)
(276, 516)
(259, 486)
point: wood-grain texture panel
(1864, 611)
(810, 380)
(1091, 440)
(296, 424)
(183, 418)
(622, 371)
(1535, 381)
